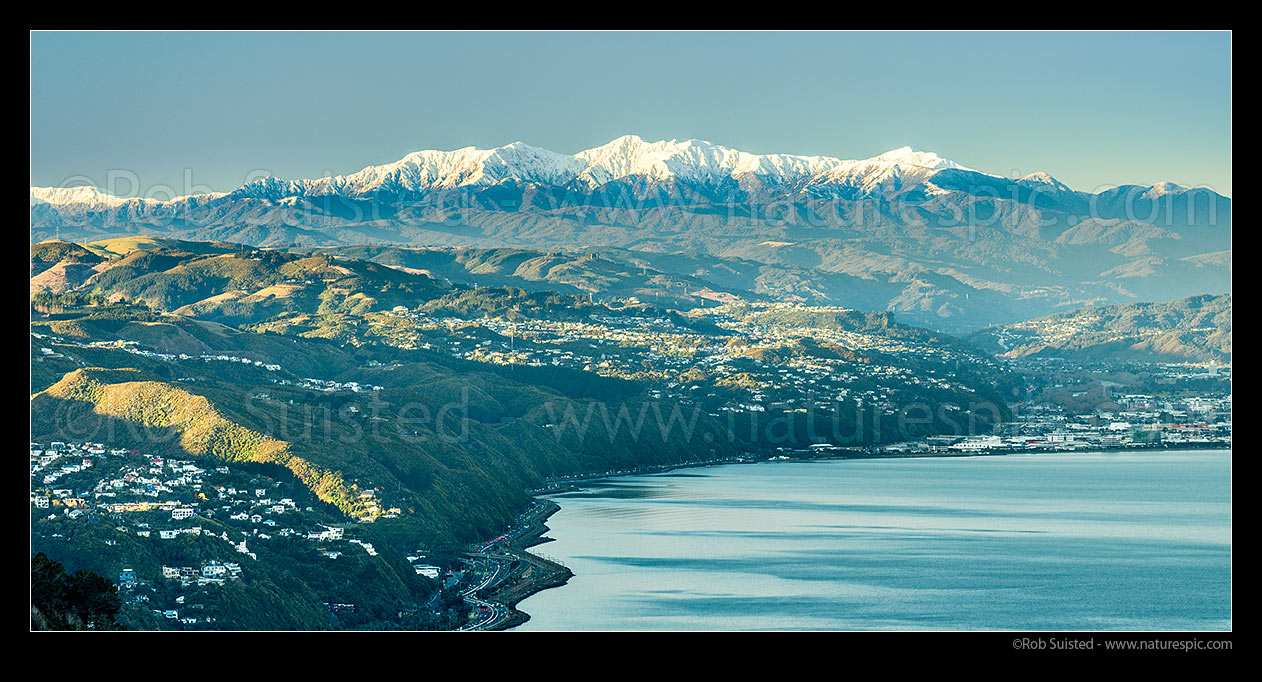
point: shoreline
(554, 574)
(565, 483)
(518, 573)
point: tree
(60, 601)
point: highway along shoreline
(509, 573)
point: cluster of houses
(1145, 407)
(133, 348)
(211, 572)
(681, 360)
(56, 460)
(327, 385)
(166, 498)
(1086, 432)
(416, 559)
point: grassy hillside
(241, 287)
(121, 246)
(1196, 329)
(191, 423)
(48, 253)
(58, 266)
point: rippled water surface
(1110, 541)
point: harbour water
(1094, 541)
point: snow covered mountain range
(916, 232)
(694, 161)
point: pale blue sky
(1093, 109)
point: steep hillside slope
(1196, 329)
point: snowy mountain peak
(913, 157)
(1163, 188)
(88, 198)
(83, 195)
(468, 166)
(631, 155)
(1042, 178)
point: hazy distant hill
(1190, 329)
(573, 272)
(915, 233)
(686, 280)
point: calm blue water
(1104, 541)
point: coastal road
(510, 573)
